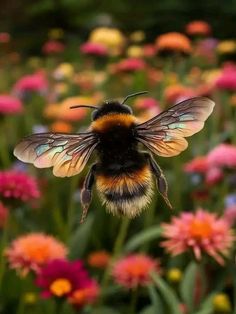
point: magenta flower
(18, 185)
(61, 278)
(10, 105)
(130, 65)
(36, 82)
(95, 49)
(227, 79)
(199, 232)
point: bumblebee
(123, 173)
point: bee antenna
(83, 106)
(133, 95)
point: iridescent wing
(165, 133)
(66, 153)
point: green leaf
(188, 284)
(79, 241)
(149, 310)
(167, 293)
(207, 306)
(105, 310)
(143, 237)
(157, 305)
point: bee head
(109, 107)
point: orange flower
(198, 28)
(173, 42)
(86, 295)
(175, 93)
(32, 251)
(99, 259)
(61, 127)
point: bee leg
(86, 193)
(160, 179)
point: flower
(221, 303)
(199, 232)
(130, 65)
(36, 82)
(227, 78)
(61, 127)
(134, 51)
(134, 270)
(3, 214)
(99, 259)
(174, 275)
(173, 42)
(147, 103)
(230, 214)
(94, 49)
(53, 47)
(85, 295)
(10, 105)
(197, 165)
(226, 47)
(175, 93)
(60, 278)
(18, 185)
(223, 155)
(4, 38)
(137, 36)
(111, 38)
(63, 71)
(196, 28)
(149, 50)
(34, 250)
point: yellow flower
(226, 46)
(137, 36)
(174, 275)
(56, 33)
(64, 70)
(135, 51)
(111, 38)
(221, 303)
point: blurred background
(61, 53)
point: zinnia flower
(173, 42)
(10, 105)
(230, 214)
(196, 28)
(227, 78)
(18, 185)
(197, 165)
(60, 278)
(53, 47)
(130, 65)
(199, 232)
(174, 93)
(86, 295)
(94, 49)
(223, 155)
(34, 250)
(99, 259)
(3, 214)
(31, 83)
(63, 71)
(134, 270)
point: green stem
(4, 153)
(117, 250)
(133, 302)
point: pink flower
(10, 105)
(213, 176)
(199, 232)
(230, 214)
(227, 79)
(53, 47)
(197, 165)
(95, 49)
(18, 185)
(223, 155)
(32, 83)
(33, 251)
(147, 103)
(3, 214)
(4, 38)
(149, 50)
(130, 65)
(134, 270)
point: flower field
(163, 261)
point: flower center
(200, 229)
(60, 287)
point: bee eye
(94, 114)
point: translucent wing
(165, 133)
(66, 153)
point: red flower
(198, 28)
(10, 105)
(99, 259)
(197, 165)
(130, 65)
(86, 295)
(32, 83)
(18, 185)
